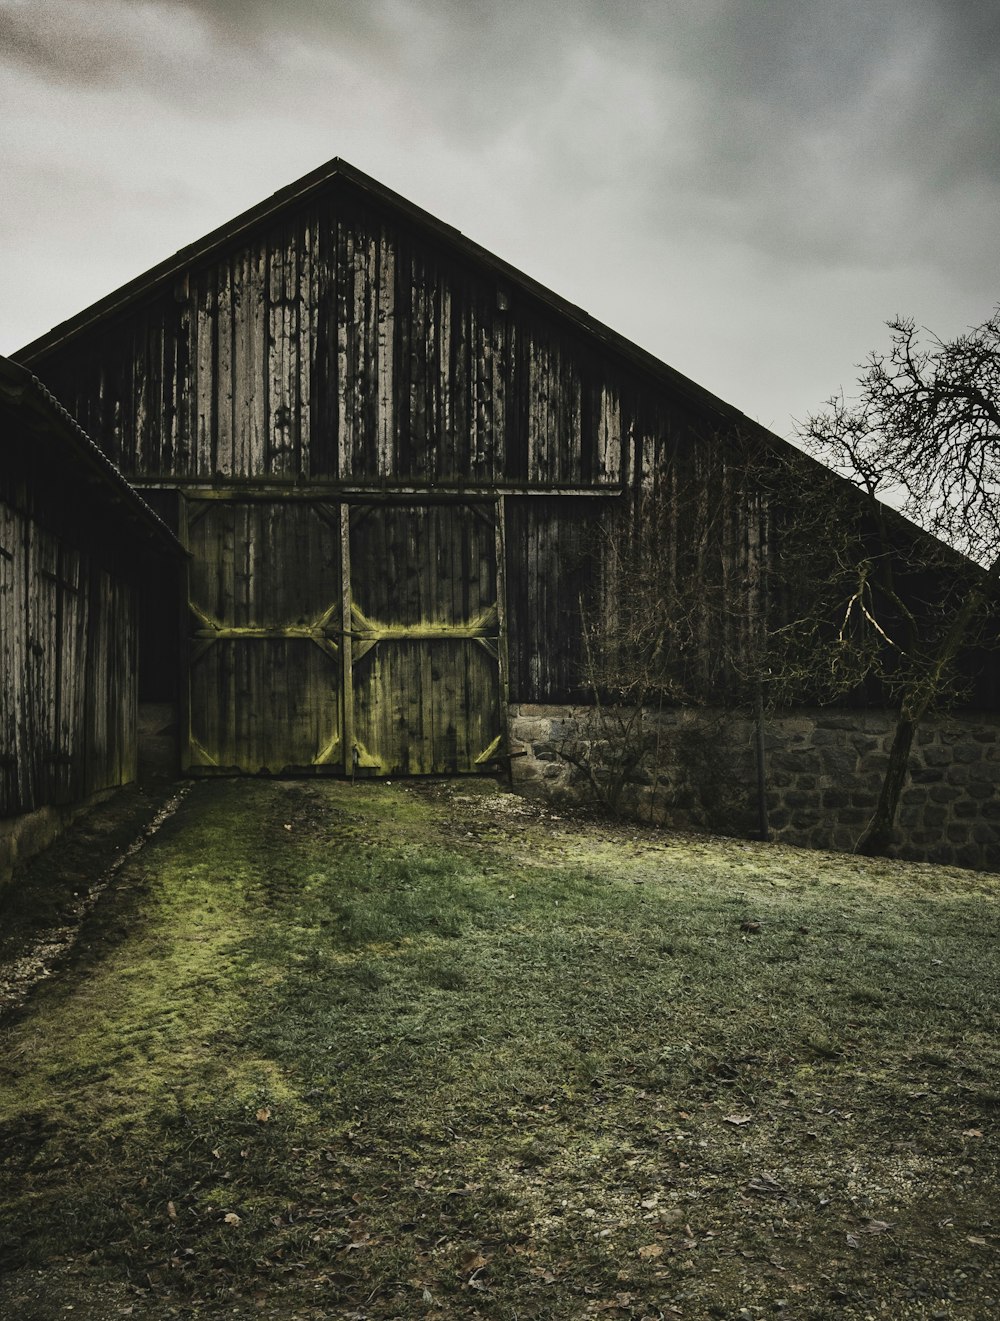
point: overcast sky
(747, 188)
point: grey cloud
(831, 131)
(66, 44)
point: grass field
(427, 1051)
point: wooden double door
(349, 638)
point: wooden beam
(346, 658)
(320, 492)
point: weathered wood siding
(342, 347)
(67, 664)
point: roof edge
(18, 382)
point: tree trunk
(878, 832)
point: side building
(77, 548)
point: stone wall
(698, 771)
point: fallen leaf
(972, 1133)
(651, 1250)
(231, 1218)
(473, 1261)
(975, 1239)
(764, 1184)
(876, 1227)
(736, 1120)
(171, 1211)
(287, 826)
(853, 1241)
(263, 1114)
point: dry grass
(426, 1051)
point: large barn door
(264, 658)
(423, 688)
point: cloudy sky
(747, 188)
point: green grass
(408, 1052)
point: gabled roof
(339, 176)
(72, 457)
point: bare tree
(924, 431)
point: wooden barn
(76, 542)
(385, 450)
(391, 457)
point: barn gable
(388, 452)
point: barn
(76, 544)
(393, 460)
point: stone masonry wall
(823, 771)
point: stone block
(923, 837)
(845, 722)
(914, 794)
(863, 745)
(839, 762)
(935, 756)
(982, 790)
(797, 798)
(967, 753)
(529, 729)
(791, 727)
(826, 738)
(790, 763)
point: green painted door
(264, 651)
(425, 638)
(347, 639)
